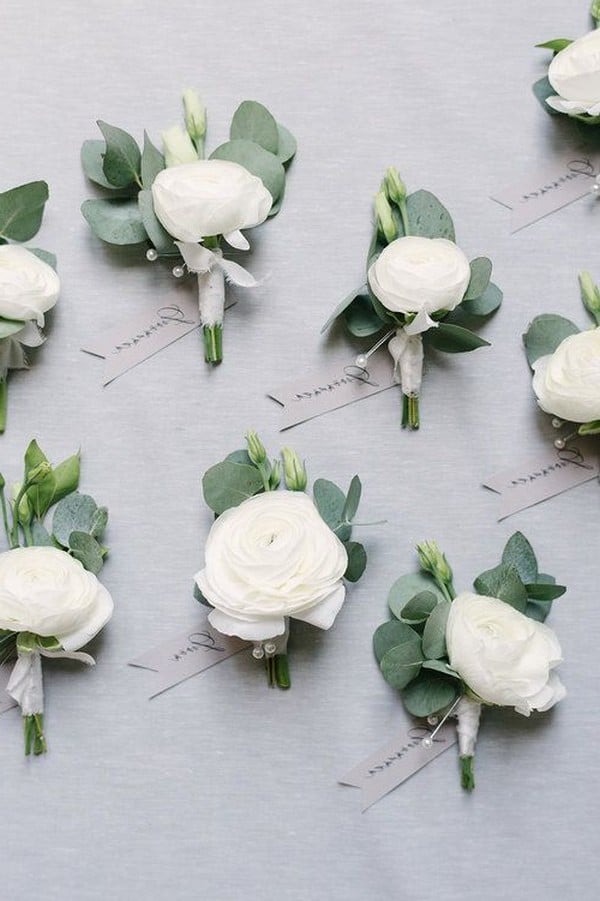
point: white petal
(421, 323)
(571, 107)
(324, 613)
(236, 239)
(196, 257)
(259, 629)
(103, 611)
(237, 275)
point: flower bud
(394, 186)
(385, 219)
(24, 513)
(433, 561)
(195, 115)
(39, 473)
(294, 470)
(178, 147)
(256, 449)
(590, 294)
(2, 481)
(275, 477)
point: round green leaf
(357, 560)
(481, 270)
(406, 587)
(429, 693)
(75, 513)
(256, 160)
(489, 301)
(419, 607)
(391, 634)
(122, 157)
(545, 334)
(454, 339)
(434, 633)
(253, 122)
(287, 146)
(92, 159)
(361, 319)
(228, 484)
(428, 217)
(116, 221)
(401, 664)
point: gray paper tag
(542, 191)
(186, 654)
(397, 760)
(6, 702)
(544, 476)
(331, 388)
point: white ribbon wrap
(26, 684)
(406, 348)
(468, 713)
(212, 270)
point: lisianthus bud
(385, 218)
(590, 294)
(24, 513)
(394, 186)
(195, 115)
(39, 473)
(294, 470)
(433, 561)
(275, 477)
(256, 449)
(178, 147)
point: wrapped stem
(3, 402)
(468, 714)
(211, 301)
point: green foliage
(556, 45)
(519, 554)
(407, 587)
(481, 271)
(44, 255)
(390, 635)
(428, 217)
(115, 220)
(419, 607)
(402, 663)
(86, 549)
(92, 161)
(122, 157)
(75, 513)
(22, 209)
(361, 318)
(489, 301)
(344, 304)
(542, 90)
(454, 339)
(589, 428)
(227, 484)
(357, 560)
(352, 500)
(256, 160)
(286, 149)
(152, 162)
(434, 633)
(429, 693)
(503, 582)
(158, 236)
(253, 122)
(544, 335)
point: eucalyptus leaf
(489, 301)
(419, 607)
(544, 335)
(481, 271)
(287, 145)
(343, 305)
(158, 236)
(152, 162)
(200, 597)
(228, 484)
(454, 339)
(541, 592)
(519, 553)
(22, 209)
(352, 499)
(503, 582)
(116, 221)
(402, 663)
(86, 549)
(40, 535)
(434, 633)
(256, 160)
(357, 560)
(44, 255)
(253, 122)
(75, 513)
(122, 158)
(538, 610)
(439, 666)
(361, 319)
(542, 90)
(240, 456)
(330, 501)
(428, 694)
(92, 161)
(428, 217)
(406, 587)
(99, 523)
(391, 634)
(10, 327)
(278, 204)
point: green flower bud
(24, 513)
(275, 477)
(385, 218)
(433, 561)
(394, 186)
(294, 470)
(178, 147)
(595, 10)
(256, 449)
(195, 115)
(39, 473)
(2, 481)
(590, 294)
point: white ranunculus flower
(567, 382)
(207, 198)
(45, 591)
(503, 656)
(28, 286)
(574, 73)
(420, 275)
(269, 558)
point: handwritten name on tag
(544, 476)
(131, 342)
(544, 190)
(6, 702)
(397, 760)
(187, 654)
(329, 389)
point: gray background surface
(221, 789)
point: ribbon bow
(26, 685)
(201, 260)
(406, 348)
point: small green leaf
(92, 160)
(454, 339)
(556, 45)
(542, 592)
(200, 597)
(352, 499)
(519, 553)
(66, 476)
(402, 663)
(538, 610)
(44, 255)
(240, 456)
(99, 523)
(228, 484)
(434, 633)
(10, 327)
(40, 535)
(481, 270)
(343, 305)
(158, 236)
(34, 455)
(40, 496)
(357, 560)
(152, 162)
(389, 635)
(22, 209)
(122, 159)
(87, 550)
(329, 501)
(287, 146)
(544, 335)
(361, 319)
(116, 221)
(75, 513)
(503, 582)
(542, 90)
(439, 666)
(256, 160)
(428, 694)
(489, 301)
(428, 217)
(419, 607)
(406, 587)
(253, 122)
(589, 428)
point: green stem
(282, 671)
(213, 343)
(404, 216)
(3, 402)
(5, 515)
(28, 534)
(410, 411)
(14, 533)
(467, 777)
(33, 726)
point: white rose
(45, 591)
(415, 274)
(574, 73)
(209, 197)
(503, 656)
(567, 382)
(269, 558)
(28, 286)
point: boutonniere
(572, 85)
(454, 654)
(420, 289)
(566, 366)
(29, 285)
(51, 603)
(187, 207)
(276, 555)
